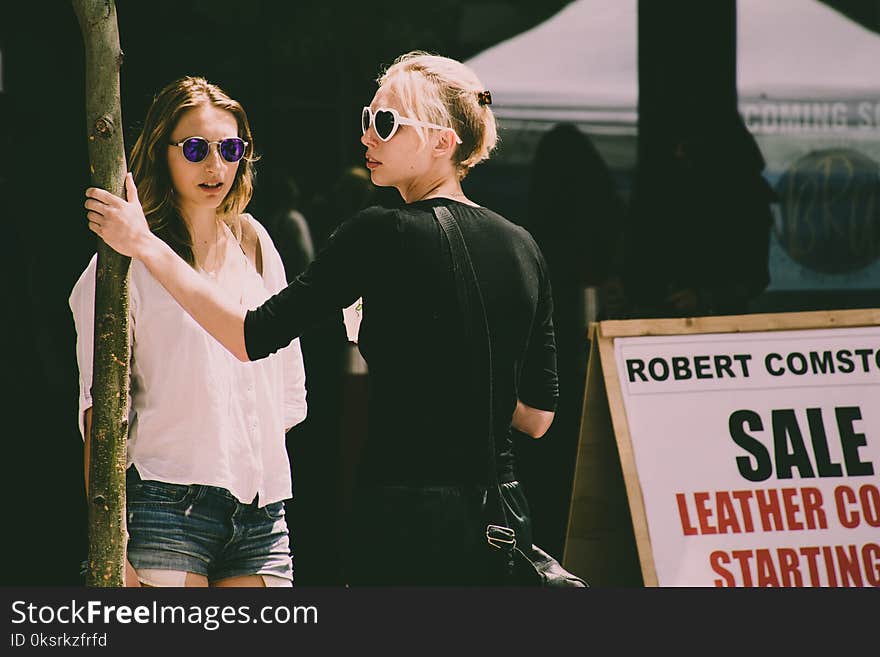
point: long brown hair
(149, 162)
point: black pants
(405, 535)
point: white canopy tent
(808, 80)
(801, 65)
(581, 59)
(803, 49)
(585, 56)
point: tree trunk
(107, 521)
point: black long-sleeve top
(425, 426)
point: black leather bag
(511, 559)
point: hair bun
(484, 97)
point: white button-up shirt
(197, 414)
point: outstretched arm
(122, 225)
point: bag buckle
(501, 537)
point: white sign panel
(758, 455)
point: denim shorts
(204, 530)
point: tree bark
(110, 380)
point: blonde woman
(208, 467)
(424, 464)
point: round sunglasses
(196, 149)
(386, 121)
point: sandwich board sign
(739, 451)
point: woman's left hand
(120, 223)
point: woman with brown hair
(207, 463)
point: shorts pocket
(158, 492)
(274, 511)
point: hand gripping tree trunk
(106, 494)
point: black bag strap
(470, 297)
(545, 568)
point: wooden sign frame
(607, 540)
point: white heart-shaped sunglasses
(386, 121)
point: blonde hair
(149, 162)
(444, 91)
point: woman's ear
(444, 143)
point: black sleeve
(539, 384)
(334, 280)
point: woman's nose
(214, 160)
(367, 139)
